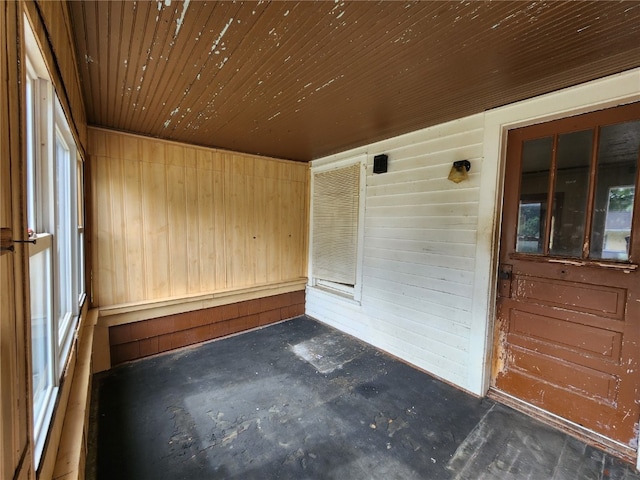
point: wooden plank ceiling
(301, 80)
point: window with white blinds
(336, 199)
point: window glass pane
(80, 191)
(41, 335)
(534, 187)
(80, 266)
(31, 159)
(80, 204)
(571, 194)
(615, 191)
(63, 237)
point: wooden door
(568, 309)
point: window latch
(6, 242)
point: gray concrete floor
(299, 400)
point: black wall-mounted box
(380, 163)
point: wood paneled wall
(172, 220)
(16, 445)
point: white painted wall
(419, 248)
(430, 246)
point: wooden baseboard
(143, 338)
(112, 315)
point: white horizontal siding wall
(430, 246)
(419, 251)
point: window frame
(55, 218)
(65, 205)
(553, 130)
(350, 292)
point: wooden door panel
(591, 413)
(567, 337)
(581, 297)
(563, 374)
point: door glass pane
(534, 187)
(615, 191)
(571, 194)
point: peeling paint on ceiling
(301, 80)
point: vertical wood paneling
(260, 222)
(219, 206)
(102, 221)
(293, 262)
(206, 188)
(156, 227)
(121, 281)
(192, 226)
(235, 187)
(273, 229)
(175, 220)
(135, 259)
(16, 448)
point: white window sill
(335, 293)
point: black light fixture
(459, 171)
(380, 163)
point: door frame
(599, 94)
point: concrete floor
(299, 400)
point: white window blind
(335, 224)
